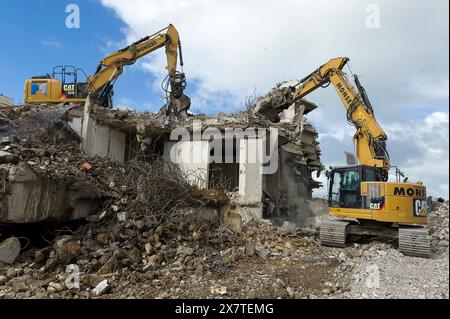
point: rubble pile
(146, 226)
(180, 257)
(40, 156)
(438, 223)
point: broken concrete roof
(298, 135)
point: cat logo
(375, 206)
(69, 87)
(420, 207)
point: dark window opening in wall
(145, 150)
(224, 175)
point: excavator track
(414, 241)
(333, 233)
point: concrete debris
(288, 228)
(379, 270)
(438, 224)
(101, 288)
(184, 257)
(6, 101)
(217, 290)
(8, 158)
(250, 249)
(121, 217)
(9, 250)
(18, 285)
(262, 252)
(184, 251)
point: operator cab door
(351, 189)
(345, 188)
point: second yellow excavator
(63, 85)
(361, 199)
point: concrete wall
(32, 198)
(99, 139)
(105, 141)
(6, 101)
(288, 192)
(294, 188)
(192, 158)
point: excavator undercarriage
(412, 240)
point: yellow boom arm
(111, 67)
(370, 139)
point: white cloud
(125, 102)
(232, 47)
(51, 44)
(236, 46)
(430, 161)
(431, 87)
(436, 118)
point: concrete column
(250, 177)
(99, 139)
(87, 130)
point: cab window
(335, 192)
(350, 181)
(370, 175)
(351, 197)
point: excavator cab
(345, 185)
(70, 87)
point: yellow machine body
(47, 91)
(402, 203)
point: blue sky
(234, 48)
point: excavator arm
(370, 139)
(111, 67)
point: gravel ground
(381, 273)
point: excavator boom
(370, 138)
(111, 67)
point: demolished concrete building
(216, 152)
(6, 101)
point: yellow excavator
(62, 86)
(361, 199)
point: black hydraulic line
(362, 91)
(181, 53)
